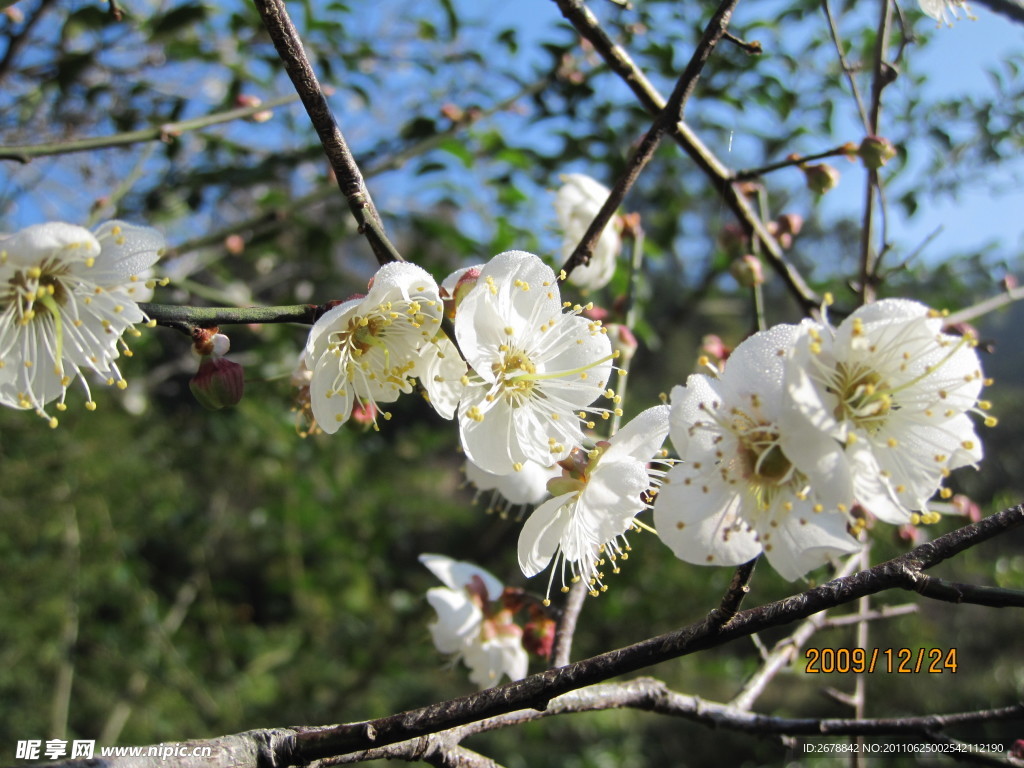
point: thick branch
(536, 691)
(280, 747)
(276, 747)
(350, 179)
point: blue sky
(956, 62)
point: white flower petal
(458, 574)
(542, 532)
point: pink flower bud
(364, 415)
(715, 348)
(748, 271)
(234, 244)
(218, 383)
(539, 636)
(876, 151)
(821, 177)
(463, 285)
(791, 223)
(623, 341)
(246, 100)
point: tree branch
(282, 747)
(18, 41)
(350, 180)
(669, 115)
(537, 691)
(186, 318)
(26, 152)
(621, 63)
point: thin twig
(955, 592)
(282, 746)
(738, 589)
(885, 612)
(984, 307)
(784, 651)
(847, 69)
(562, 648)
(167, 131)
(668, 116)
(69, 632)
(19, 40)
(881, 75)
(350, 180)
(754, 173)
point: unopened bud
(363, 417)
(734, 239)
(747, 270)
(456, 287)
(623, 341)
(791, 223)
(219, 383)
(876, 151)
(539, 636)
(821, 177)
(714, 347)
(234, 244)
(245, 100)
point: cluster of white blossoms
(472, 622)
(524, 386)
(67, 296)
(806, 422)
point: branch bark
(350, 180)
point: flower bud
(734, 239)
(539, 635)
(791, 223)
(747, 271)
(821, 177)
(623, 341)
(245, 100)
(876, 151)
(455, 288)
(364, 415)
(218, 383)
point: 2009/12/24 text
(898, 660)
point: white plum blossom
(895, 390)
(577, 204)
(471, 622)
(535, 369)
(370, 348)
(528, 486)
(595, 504)
(738, 489)
(67, 296)
(945, 11)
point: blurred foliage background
(171, 573)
